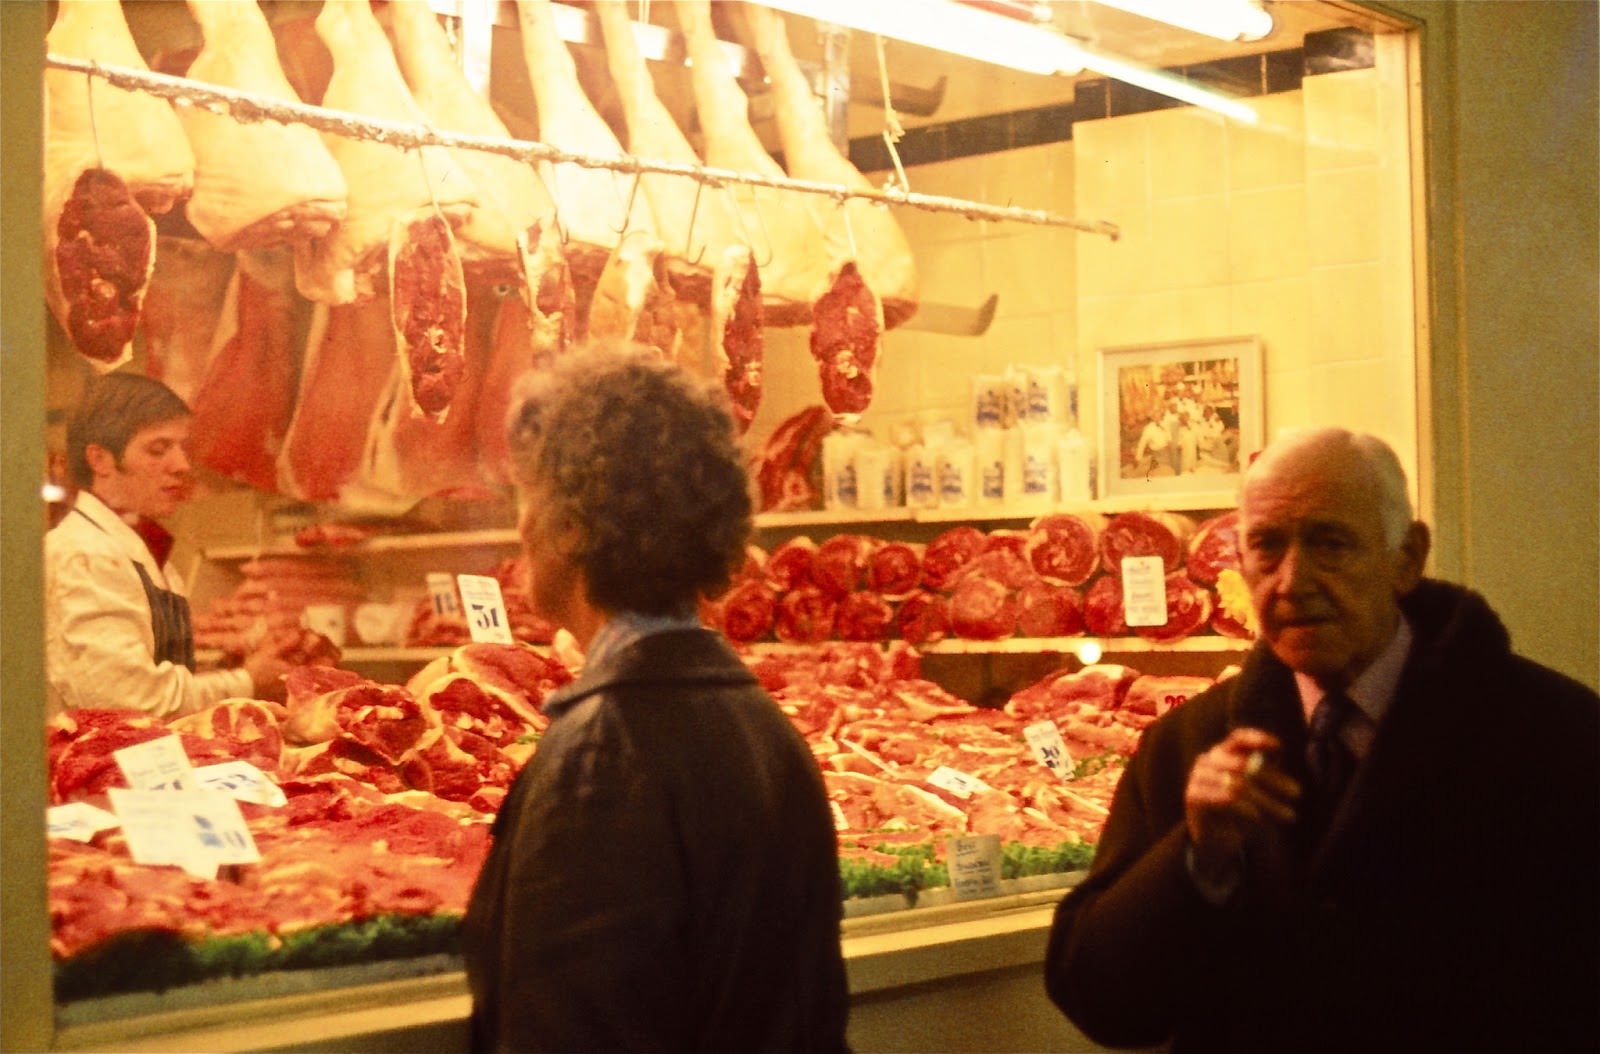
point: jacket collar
(693, 655)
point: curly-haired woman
(664, 874)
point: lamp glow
(1089, 652)
(1223, 19)
(951, 27)
(1165, 83)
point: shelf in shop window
(378, 543)
(1022, 512)
(1070, 645)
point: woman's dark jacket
(1453, 904)
(664, 874)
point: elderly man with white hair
(1382, 834)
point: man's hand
(1236, 795)
(271, 659)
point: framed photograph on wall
(1177, 420)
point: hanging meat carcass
(595, 206)
(182, 307)
(860, 230)
(384, 182)
(736, 334)
(511, 196)
(242, 410)
(786, 241)
(257, 184)
(113, 158)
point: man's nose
(178, 459)
(1294, 570)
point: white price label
(442, 590)
(1048, 746)
(485, 609)
(199, 830)
(242, 781)
(158, 764)
(77, 820)
(974, 864)
(1144, 591)
(958, 783)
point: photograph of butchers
(664, 872)
(117, 622)
(1290, 858)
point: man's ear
(102, 462)
(1411, 559)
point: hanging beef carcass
(257, 184)
(511, 196)
(786, 241)
(243, 408)
(182, 307)
(113, 158)
(736, 335)
(384, 182)
(595, 206)
(860, 230)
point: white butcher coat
(99, 644)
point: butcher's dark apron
(169, 620)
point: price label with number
(199, 830)
(485, 609)
(157, 764)
(442, 591)
(1144, 591)
(242, 781)
(1048, 746)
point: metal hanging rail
(247, 106)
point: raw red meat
(738, 340)
(1104, 685)
(805, 616)
(792, 564)
(841, 563)
(428, 295)
(1214, 547)
(788, 470)
(864, 616)
(104, 253)
(947, 553)
(1227, 625)
(1155, 695)
(1004, 564)
(923, 618)
(894, 569)
(1045, 609)
(1102, 608)
(748, 610)
(1188, 610)
(1064, 548)
(982, 609)
(1163, 534)
(847, 322)
(182, 306)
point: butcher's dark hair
(641, 456)
(112, 410)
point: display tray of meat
(388, 792)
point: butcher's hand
(267, 664)
(1237, 795)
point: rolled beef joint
(1214, 548)
(1163, 534)
(1064, 548)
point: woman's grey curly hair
(642, 457)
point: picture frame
(1178, 421)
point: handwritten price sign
(485, 609)
(1048, 746)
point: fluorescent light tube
(951, 27)
(1223, 19)
(1169, 85)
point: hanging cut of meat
(859, 231)
(786, 241)
(738, 341)
(696, 225)
(922, 618)
(1103, 613)
(90, 124)
(788, 470)
(242, 411)
(183, 305)
(346, 376)
(748, 610)
(894, 569)
(1163, 534)
(428, 299)
(257, 184)
(511, 198)
(948, 553)
(805, 616)
(1045, 609)
(595, 206)
(383, 182)
(1214, 547)
(846, 323)
(631, 298)
(1064, 548)
(1188, 611)
(104, 253)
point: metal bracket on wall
(953, 321)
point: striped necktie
(1328, 758)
